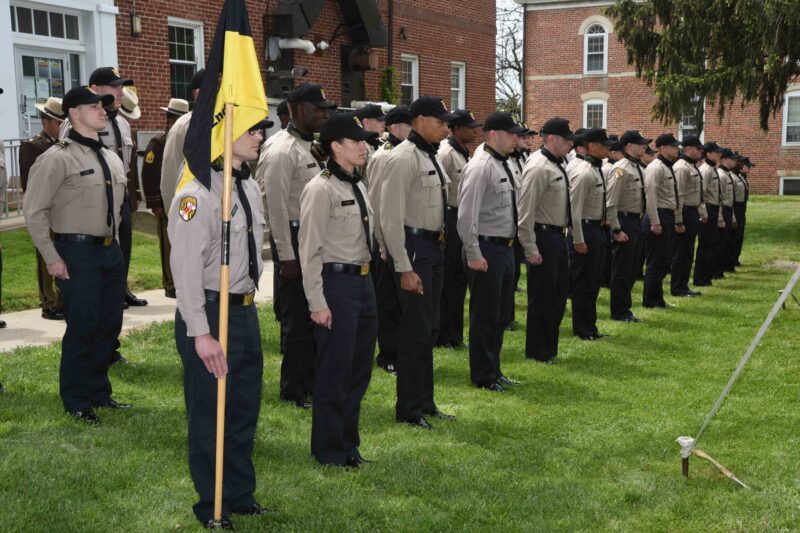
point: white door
(40, 75)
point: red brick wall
(438, 31)
(554, 48)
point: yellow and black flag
(233, 57)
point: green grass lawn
(20, 285)
(587, 445)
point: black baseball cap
(398, 115)
(558, 126)
(84, 96)
(373, 111)
(462, 117)
(727, 153)
(500, 121)
(578, 137)
(711, 147)
(615, 144)
(344, 126)
(197, 80)
(650, 151)
(528, 131)
(633, 137)
(596, 135)
(691, 140)
(283, 108)
(666, 139)
(262, 125)
(108, 76)
(430, 106)
(311, 93)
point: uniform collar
(666, 161)
(458, 148)
(688, 159)
(594, 161)
(394, 141)
(341, 173)
(494, 153)
(297, 133)
(374, 142)
(631, 158)
(555, 160)
(417, 140)
(710, 163)
(47, 136)
(241, 173)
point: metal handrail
(14, 191)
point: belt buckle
(108, 240)
(365, 269)
(248, 298)
(441, 236)
(510, 243)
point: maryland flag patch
(618, 172)
(150, 157)
(187, 208)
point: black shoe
(441, 416)
(599, 335)
(512, 326)
(493, 386)
(702, 284)
(504, 380)
(719, 276)
(224, 523)
(390, 368)
(169, 293)
(253, 510)
(2, 324)
(358, 461)
(52, 313)
(133, 301)
(114, 404)
(117, 357)
(553, 361)
(87, 416)
(419, 422)
(686, 294)
(738, 264)
(587, 337)
(631, 318)
(302, 404)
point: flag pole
(224, 277)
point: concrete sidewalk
(28, 328)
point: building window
(790, 186)
(595, 44)
(691, 120)
(185, 40)
(409, 79)
(791, 119)
(45, 23)
(458, 90)
(594, 113)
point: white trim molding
(793, 177)
(595, 102)
(596, 19)
(595, 95)
(785, 115)
(543, 5)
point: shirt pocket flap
(431, 180)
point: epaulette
(326, 173)
(387, 146)
(61, 142)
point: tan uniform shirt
(690, 183)
(331, 231)
(586, 193)
(194, 229)
(453, 163)
(726, 180)
(285, 166)
(411, 195)
(625, 190)
(659, 186)
(67, 194)
(712, 188)
(172, 160)
(375, 170)
(543, 199)
(741, 186)
(364, 170)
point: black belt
(233, 299)
(497, 240)
(428, 234)
(665, 210)
(294, 224)
(591, 222)
(629, 214)
(691, 206)
(343, 268)
(709, 204)
(85, 239)
(551, 228)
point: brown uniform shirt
(543, 199)
(172, 161)
(659, 186)
(625, 190)
(67, 194)
(194, 230)
(151, 171)
(331, 231)
(29, 151)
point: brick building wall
(437, 31)
(555, 84)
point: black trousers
(641, 259)
(708, 237)
(126, 236)
(740, 210)
(623, 272)
(93, 297)
(548, 285)
(243, 399)
(454, 289)
(724, 250)
(300, 354)
(489, 292)
(388, 311)
(344, 366)
(657, 254)
(683, 251)
(509, 312)
(419, 329)
(276, 289)
(585, 276)
(605, 279)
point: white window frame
(784, 123)
(414, 60)
(462, 81)
(199, 40)
(586, 36)
(32, 39)
(702, 132)
(783, 179)
(594, 101)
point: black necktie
(719, 184)
(641, 186)
(112, 117)
(700, 176)
(513, 193)
(569, 201)
(674, 185)
(362, 207)
(252, 252)
(442, 185)
(603, 181)
(97, 147)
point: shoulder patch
(151, 156)
(325, 173)
(387, 146)
(618, 172)
(187, 208)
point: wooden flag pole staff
(224, 279)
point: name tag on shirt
(233, 211)
(345, 203)
(103, 133)
(558, 179)
(503, 180)
(311, 165)
(87, 172)
(431, 172)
